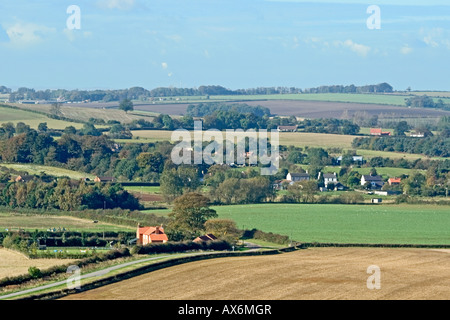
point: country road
(85, 276)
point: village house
(294, 177)
(376, 182)
(328, 178)
(379, 132)
(146, 235)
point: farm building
(394, 181)
(24, 178)
(417, 134)
(287, 128)
(104, 179)
(206, 237)
(294, 177)
(146, 235)
(378, 132)
(355, 159)
(376, 182)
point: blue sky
(237, 44)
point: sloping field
(315, 273)
(32, 119)
(35, 169)
(13, 263)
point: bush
(34, 272)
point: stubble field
(315, 273)
(13, 263)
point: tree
(188, 217)
(224, 229)
(55, 109)
(126, 105)
(400, 128)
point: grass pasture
(13, 222)
(391, 224)
(53, 171)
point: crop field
(392, 224)
(312, 109)
(84, 112)
(13, 263)
(314, 273)
(298, 139)
(13, 222)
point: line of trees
(434, 146)
(66, 195)
(139, 93)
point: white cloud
(164, 65)
(116, 4)
(406, 49)
(360, 49)
(24, 34)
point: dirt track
(315, 273)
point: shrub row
(171, 247)
(266, 236)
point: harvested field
(311, 109)
(315, 273)
(13, 263)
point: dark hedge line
(171, 247)
(266, 236)
(110, 255)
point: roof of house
(329, 176)
(206, 237)
(106, 178)
(24, 178)
(293, 174)
(372, 178)
(395, 180)
(155, 233)
(287, 127)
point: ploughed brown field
(311, 109)
(314, 273)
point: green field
(391, 224)
(13, 222)
(33, 119)
(380, 98)
(34, 169)
(147, 190)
